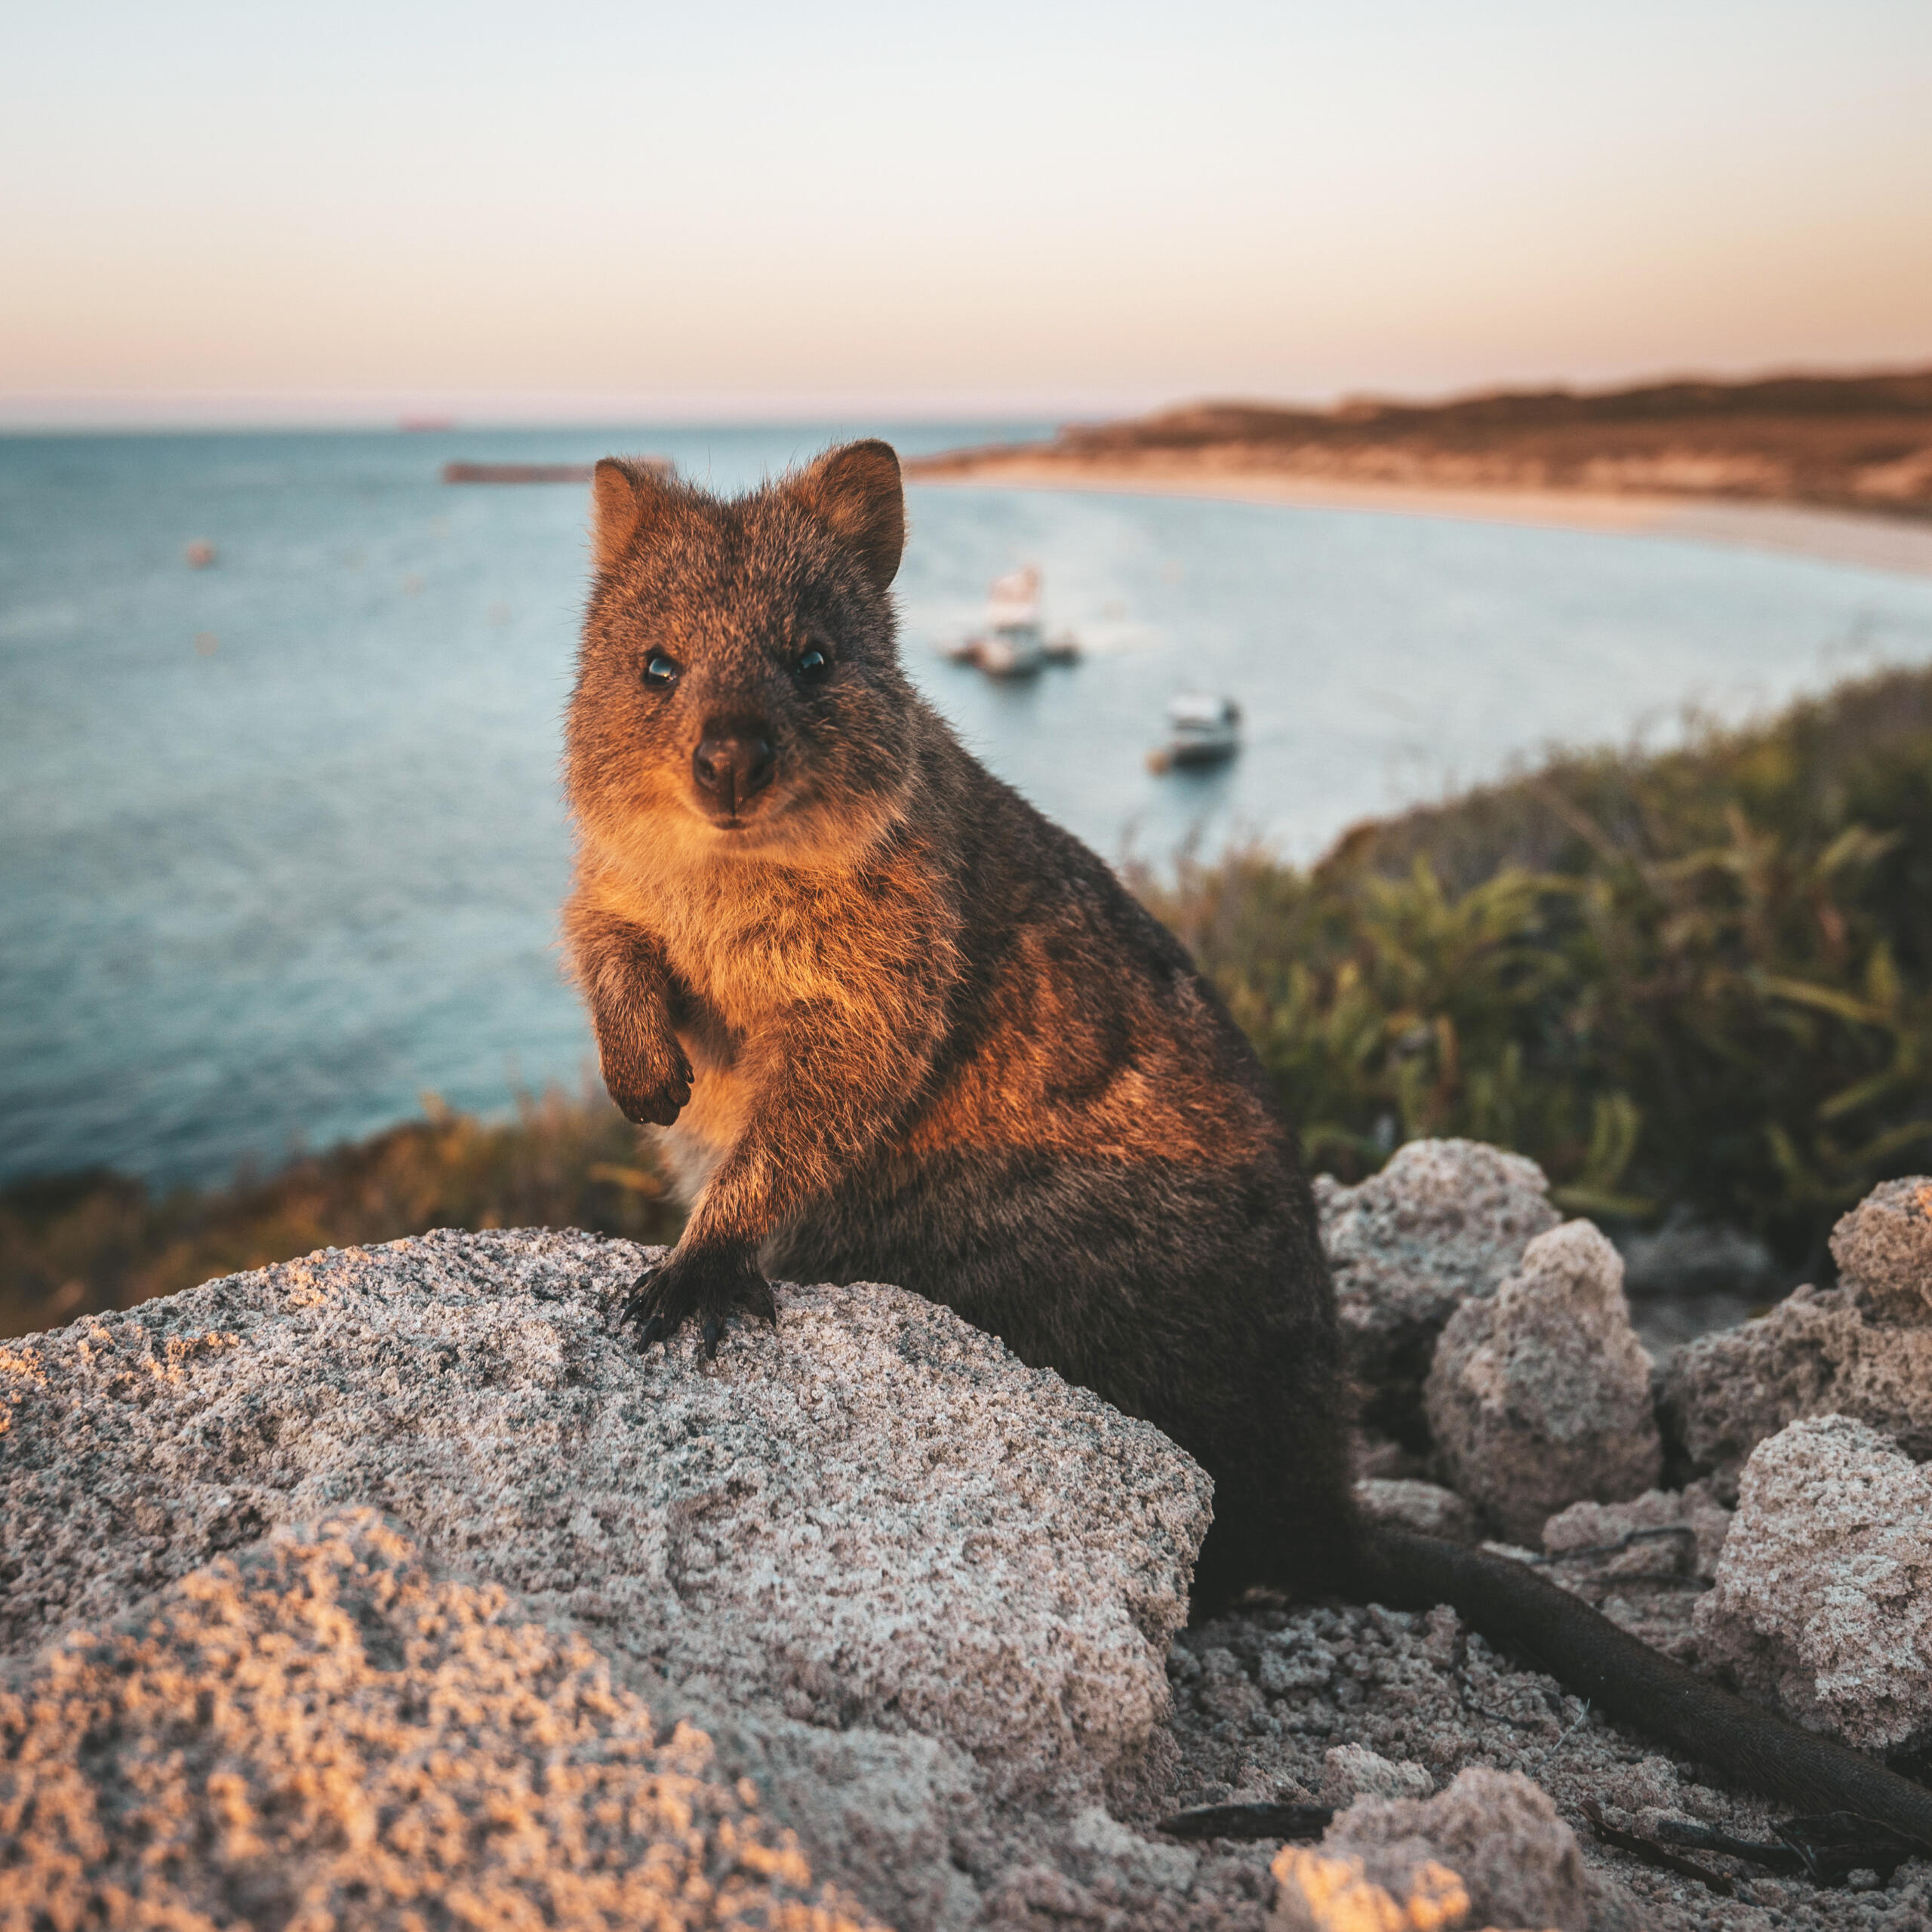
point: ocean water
(282, 841)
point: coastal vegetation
(81, 1242)
(1698, 980)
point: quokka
(896, 1026)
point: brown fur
(900, 1027)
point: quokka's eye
(661, 672)
(812, 664)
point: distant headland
(1834, 466)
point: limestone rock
(1444, 1220)
(1316, 1891)
(1641, 1562)
(1863, 1349)
(1819, 1353)
(1493, 1837)
(1822, 1603)
(1679, 1532)
(881, 1813)
(917, 1595)
(1410, 1505)
(1101, 1846)
(319, 1730)
(1350, 1771)
(1651, 1788)
(1540, 1395)
(874, 1515)
(1883, 1250)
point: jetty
(517, 472)
(537, 473)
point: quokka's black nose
(733, 762)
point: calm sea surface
(281, 840)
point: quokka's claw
(637, 1299)
(705, 1285)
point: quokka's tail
(1589, 1655)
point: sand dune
(1842, 536)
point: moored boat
(1201, 731)
(1013, 644)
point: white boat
(1201, 731)
(1013, 644)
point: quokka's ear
(625, 495)
(855, 491)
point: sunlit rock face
(1883, 1250)
(896, 1575)
(319, 1730)
(1490, 1851)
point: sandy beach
(1839, 537)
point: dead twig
(1300, 1822)
(1654, 1854)
(1616, 1548)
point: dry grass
(98, 1241)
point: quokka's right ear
(856, 489)
(625, 495)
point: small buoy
(200, 554)
(206, 643)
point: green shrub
(1701, 977)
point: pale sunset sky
(220, 213)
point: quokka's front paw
(655, 1091)
(708, 1283)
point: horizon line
(114, 411)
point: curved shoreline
(1839, 536)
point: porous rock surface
(1822, 1603)
(1884, 1249)
(1444, 1220)
(1863, 1349)
(1322, 1891)
(318, 1730)
(1290, 1704)
(1264, 1699)
(1413, 1505)
(1350, 1703)
(1489, 1851)
(1539, 1394)
(1645, 1563)
(870, 1550)
(1350, 1771)
(875, 1515)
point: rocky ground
(392, 1588)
